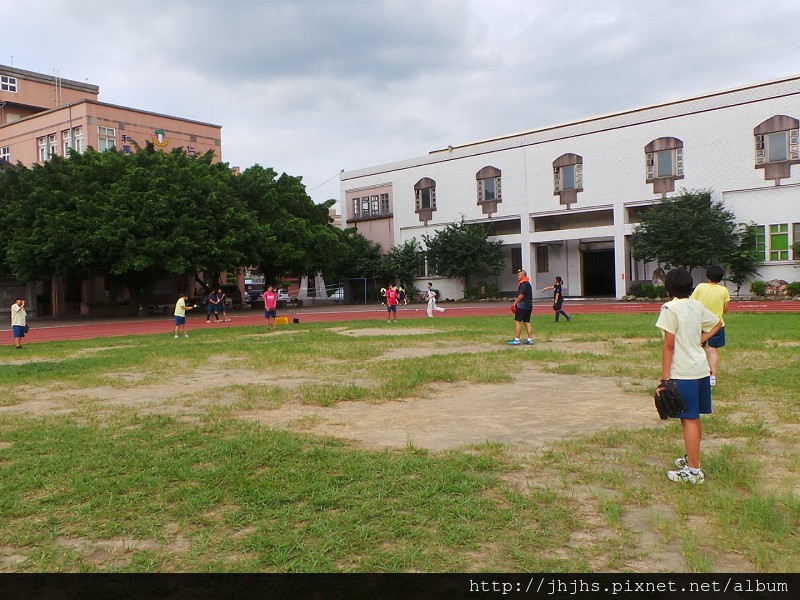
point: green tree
(295, 236)
(686, 231)
(462, 250)
(401, 262)
(744, 259)
(132, 218)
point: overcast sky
(311, 87)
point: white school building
(564, 200)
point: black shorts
(523, 314)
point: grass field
(184, 483)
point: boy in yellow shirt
(714, 297)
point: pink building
(42, 116)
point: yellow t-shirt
(713, 296)
(180, 308)
(686, 319)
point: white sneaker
(176, 337)
(186, 335)
(687, 475)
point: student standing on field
(391, 302)
(212, 306)
(524, 307)
(715, 297)
(19, 319)
(270, 306)
(180, 315)
(430, 295)
(223, 304)
(558, 298)
(686, 324)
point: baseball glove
(514, 308)
(669, 400)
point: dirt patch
(536, 409)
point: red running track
(47, 330)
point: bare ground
(534, 410)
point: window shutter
(678, 162)
(579, 176)
(794, 147)
(556, 179)
(433, 198)
(418, 198)
(498, 190)
(760, 153)
(651, 171)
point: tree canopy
(689, 231)
(148, 214)
(464, 250)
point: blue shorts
(718, 339)
(697, 393)
(523, 315)
(19, 331)
(270, 314)
(392, 308)
(179, 320)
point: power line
(326, 181)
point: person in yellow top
(180, 315)
(714, 297)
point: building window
(425, 198)
(664, 163)
(774, 242)
(761, 241)
(542, 259)
(8, 84)
(5, 153)
(516, 260)
(375, 206)
(106, 138)
(568, 178)
(356, 208)
(384, 204)
(73, 140)
(777, 146)
(422, 265)
(425, 194)
(779, 242)
(365, 206)
(489, 185)
(796, 240)
(48, 146)
(490, 191)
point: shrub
(647, 290)
(759, 288)
(793, 289)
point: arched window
(568, 178)
(490, 191)
(776, 147)
(664, 163)
(425, 198)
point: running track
(48, 330)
